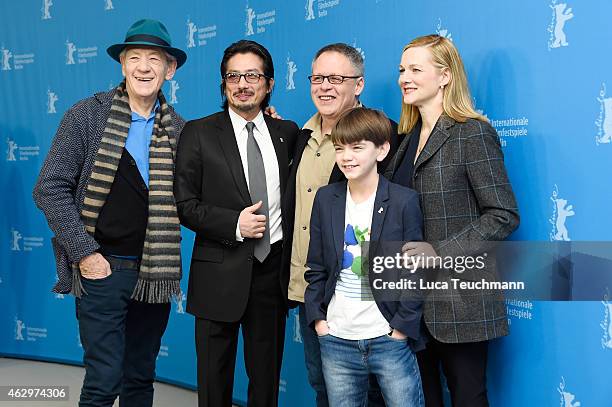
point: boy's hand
(395, 334)
(321, 327)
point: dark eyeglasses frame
(333, 79)
(249, 77)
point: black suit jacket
(210, 191)
(335, 176)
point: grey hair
(348, 51)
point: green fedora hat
(150, 33)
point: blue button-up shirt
(138, 140)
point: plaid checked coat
(467, 200)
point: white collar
(239, 122)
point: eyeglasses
(250, 77)
(333, 79)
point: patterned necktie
(258, 190)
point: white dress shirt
(268, 154)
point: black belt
(118, 263)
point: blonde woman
(452, 157)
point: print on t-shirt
(353, 237)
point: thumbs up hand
(252, 225)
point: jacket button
(132, 162)
(303, 227)
(250, 258)
(318, 154)
(309, 189)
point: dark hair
(247, 47)
(349, 52)
(360, 124)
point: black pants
(263, 332)
(121, 340)
(465, 368)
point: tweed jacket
(467, 202)
(60, 189)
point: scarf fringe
(77, 285)
(157, 291)
(159, 284)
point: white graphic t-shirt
(352, 313)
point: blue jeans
(121, 339)
(312, 357)
(347, 364)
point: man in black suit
(231, 172)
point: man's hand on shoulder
(271, 111)
(94, 267)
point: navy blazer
(399, 220)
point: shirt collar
(314, 124)
(137, 117)
(239, 123)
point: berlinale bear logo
(604, 121)
(191, 30)
(567, 398)
(51, 99)
(19, 327)
(291, 70)
(561, 211)
(310, 15)
(250, 16)
(46, 13)
(560, 15)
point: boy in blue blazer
(360, 334)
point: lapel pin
(380, 210)
(282, 141)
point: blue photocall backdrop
(539, 70)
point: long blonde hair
(457, 102)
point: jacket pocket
(207, 253)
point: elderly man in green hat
(106, 191)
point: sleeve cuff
(239, 237)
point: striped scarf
(160, 268)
